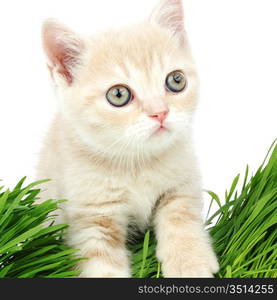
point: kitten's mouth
(161, 130)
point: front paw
(97, 269)
(196, 264)
(105, 274)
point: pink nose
(161, 116)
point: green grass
(244, 231)
(244, 228)
(28, 247)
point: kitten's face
(131, 92)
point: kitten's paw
(105, 274)
(95, 269)
(196, 265)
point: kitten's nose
(160, 116)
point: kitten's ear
(169, 14)
(63, 49)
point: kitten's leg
(101, 239)
(183, 246)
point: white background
(235, 46)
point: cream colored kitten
(120, 147)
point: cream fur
(107, 162)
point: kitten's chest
(144, 193)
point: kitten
(120, 147)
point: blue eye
(176, 81)
(119, 95)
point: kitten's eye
(119, 95)
(176, 81)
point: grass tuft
(28, 247)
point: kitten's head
(129, 91)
